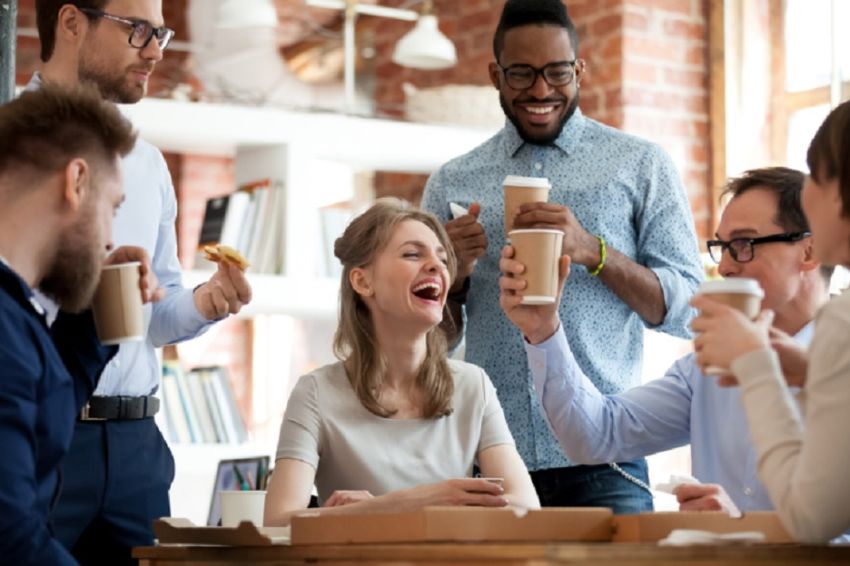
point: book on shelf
(252, 220)
(200, 406)
(334, 218)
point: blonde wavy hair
(355, 343)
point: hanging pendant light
(425, 46)
(240, 14)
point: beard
(75, 270)
(112, 86)
(539, 139)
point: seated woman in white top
(802, 462)
(395, 425)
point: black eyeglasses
(521, 77)
(742, 249)
(142, 31)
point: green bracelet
(602, 254)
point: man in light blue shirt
(763, 235)
(606, 186)
(118, 471)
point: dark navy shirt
(39, 401)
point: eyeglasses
(742, 250)
(142, 30)
(521, 77)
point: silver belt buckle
(84, 414)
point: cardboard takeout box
(652, 527)
(454, 524)
(171, 530)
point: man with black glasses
(762, 235)
(627, 227)
(118, 471)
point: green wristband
(602, 254)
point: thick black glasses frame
(163, 34)
(736, 245)
(537, 72)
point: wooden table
(500, 554)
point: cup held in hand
(520, 190)
(539, 250)
(740, 293)
(117, 304)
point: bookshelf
(314, 157)
(283, 295)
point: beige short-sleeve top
(326, 426)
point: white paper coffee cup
(242, 505)
(520, 190)
(538, 250)
(740, 293)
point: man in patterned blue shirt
(610, 192)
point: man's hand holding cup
(729, 324)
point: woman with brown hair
(803, 464)
(395, 425)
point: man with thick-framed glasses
(118, 471)
(743, 250)
(685, 406)
(627, 227)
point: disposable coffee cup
(539, 251)
(117, 305)
(520, 190)
(242, 505)
(740, 293)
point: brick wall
(647, 74)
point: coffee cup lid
(535, 231)
(529, 182)
(732, 285)
(125, 264)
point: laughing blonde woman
(395, 424)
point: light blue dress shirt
(620, 187)
(146, 219)
(682, 407)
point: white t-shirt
(326, 426)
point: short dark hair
(517, 13)
(829, 153)
(43, 130)
(787, 184)
(47, 16)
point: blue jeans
(594, 486)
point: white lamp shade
(425, 47)
(234, 14)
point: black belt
(119, 408)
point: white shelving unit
(314, 156)
(363, 143)
(276, 294)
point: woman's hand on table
(345, 497)
(464, 491)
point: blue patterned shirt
(620, 187)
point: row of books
(252, 220)
(200, 406)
